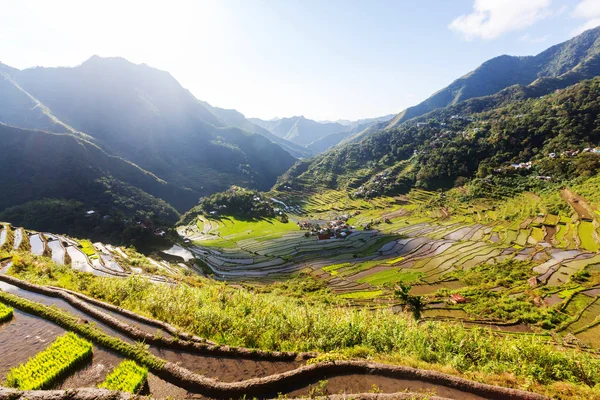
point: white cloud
(533, 39)
(588, 10)
(491, 18)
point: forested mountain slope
(580, 54)
(459, 141)
(134, 112)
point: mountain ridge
(503, 71)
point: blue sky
(328, 59)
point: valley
(532, 278)
(153, 245)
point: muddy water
(23, 337)
(141, 325)
(37, 245)
(355, 383)
(420, 290)
(26, 335)
(226, 369)
(93, 372)
(50, 301)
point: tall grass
(270, 321)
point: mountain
(577, 54)
(316, 136)
(429, 150)
(471, 138)
(137, 114)
(236, 119)
(51, 180)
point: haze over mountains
(129, 138)
(127, 112)
(316, 136)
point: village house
(526, 165)
(457, 299)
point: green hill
(580, 54)
(474, 136)
(131, 122)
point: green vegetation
(516, 304)
(50, 364)
(362, 295)
(333, 268)
(6, 313)
(88, 248)
(10, 238)
(195, 152)
(126, 377)
(135, 352)
(380, 242)
(481, 141)
(586, 235)
(237, 202)
(273, 322)
(555, 66)
(233, 229)
(393, 275)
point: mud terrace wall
(195, 344)
(273, 384)
(103, 394)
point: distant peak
(97, 60)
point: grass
(50, 364)
(270, 321)
(233, 230)
(88, 248)
(6, 313)
(586, 232)
(394, 260)
(333, 268)
(362, 295)
(126, 377)
(390, 276)
(379, 243)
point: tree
(411, 303)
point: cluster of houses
(375, 185)
(525, 165)
(334, 229)
(573, 153)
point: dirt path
(578, 203)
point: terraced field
(437, 252)
(222, 371)
(410, 243)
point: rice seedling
(6, 313)
(126, 377)
(50, 364)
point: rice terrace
(517, 281)
(392, 236)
